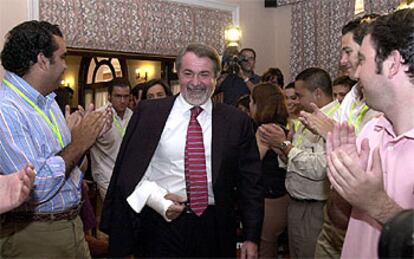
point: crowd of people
(324, 162)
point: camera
(232, 60)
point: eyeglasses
(248, 58)
(119, 96)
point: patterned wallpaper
(142, 26)
(316, 34)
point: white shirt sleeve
(151, 194)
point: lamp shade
(232, 35)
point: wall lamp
(140, 75)
(406, 4)
(232, 36)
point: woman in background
(155, 89)
(274, 76)
(267, 105)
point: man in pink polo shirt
(376, 175)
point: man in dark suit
(182, 163)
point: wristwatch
(284, 145)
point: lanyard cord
(329, 113)
(359, 117)
(54, 126)
(119, 127)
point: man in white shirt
(105, 150)
(183, 162)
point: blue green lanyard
(119, 127)
(54, 126)
(329, 113)
(359, 117)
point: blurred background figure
(247, 64)
(64, 97)
(155, 89)
(105, 150)
(136, 93)
(267, 106)
(231, 84)
(341, 86)
(243, 104)
(293, 106)
(274, 76)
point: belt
(304, 200)
(69, 214)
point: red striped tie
(195, 165)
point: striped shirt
(25, 137)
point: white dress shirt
(166, 168)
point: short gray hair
(201, 50)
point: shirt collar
(127, 112)
(44, 102)
(184, 106)
(384, 124)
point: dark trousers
(210, 235)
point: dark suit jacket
(235, 162)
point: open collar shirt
(362, 236)
(105, 150)
(167, 165)
(25, 137)
(354, 110)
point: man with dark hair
(341, 86)
(155, 89)
(173, 189)
(317, 82)
(105, 150)
(230, 83)
(274, 76)
(64, 97)
(304, 157)
(374, 174)
(33, 131)
(248, 62)
(353, 108)
(118, 82)
(136, 93)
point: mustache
(198, 87)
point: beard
(197, 94)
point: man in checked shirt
(33, 131)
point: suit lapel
(218, 139)
(144, 140)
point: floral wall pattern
(143, 26)
(316, 30)
(380, 6)
(316, 34)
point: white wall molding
(33, 9)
